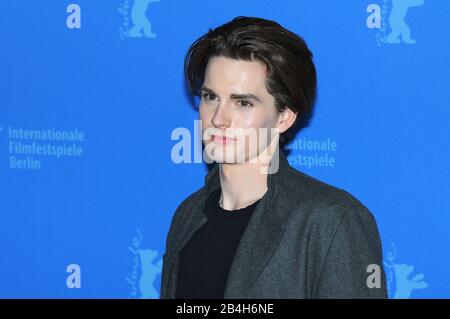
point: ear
(286, 119)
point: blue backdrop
(91, 92)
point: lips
(221, 139)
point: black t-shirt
(206, 259)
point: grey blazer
(305, 239)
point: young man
(260, 228)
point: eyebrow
(235, 96)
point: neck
(242, 184)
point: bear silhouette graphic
(405, 285)
(141, 24)
(149, 272)
(399, 28)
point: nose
(221, 118)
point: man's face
(235, 104)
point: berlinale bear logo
(399, 30)
(145, 269)
(141, 26)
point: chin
(217, 154)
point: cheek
(256, 128)
(201, 111)
(205, 113)
(260, 119)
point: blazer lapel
(259, 240)
(194, 221)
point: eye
(206, 96)
(245, 104)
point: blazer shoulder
(305, 187)
(187, 203)
(323, 200)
